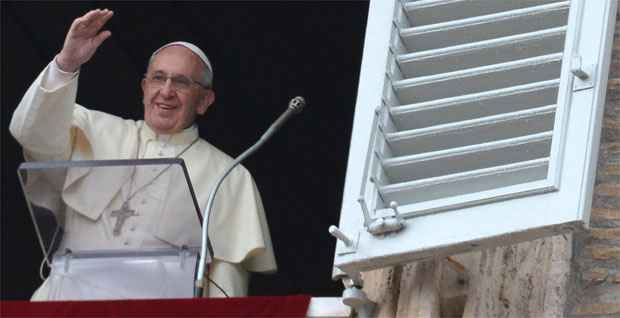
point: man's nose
(167, 90)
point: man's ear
(143, 85)
(207, 100)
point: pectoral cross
(121, 216)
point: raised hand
(83, 39)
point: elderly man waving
(177, 87)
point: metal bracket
(353, 295)
(348, 278)
(356, 298)
(386, 224)
(584, 74)
(350, 246)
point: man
(177, 87)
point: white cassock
(51, 126)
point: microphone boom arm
(295, 106)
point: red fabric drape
(281, 306)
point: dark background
(263, 54)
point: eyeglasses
(178, 83)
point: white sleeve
(56, 78)
(42, 121)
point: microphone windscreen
(297, 104)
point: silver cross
(121, 216)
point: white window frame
(521, 212)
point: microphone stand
(295, 106)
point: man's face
(168, 110)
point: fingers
(94, 16)
(99, 20)
(89, 16)
(101, 37)
(85, 20)
(91, 22)
(106, 16)
(83, 39)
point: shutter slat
(485, 27)
(479, 130)
(493, 51)
(463, 107)
(434, 11)
(471, 157)
(466, 182)
(472, 87)
(479, 79)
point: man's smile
(165, 106)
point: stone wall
(595, 284)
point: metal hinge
(584, 74)
(389, 223)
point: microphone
(295, 106)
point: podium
(114, 229)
